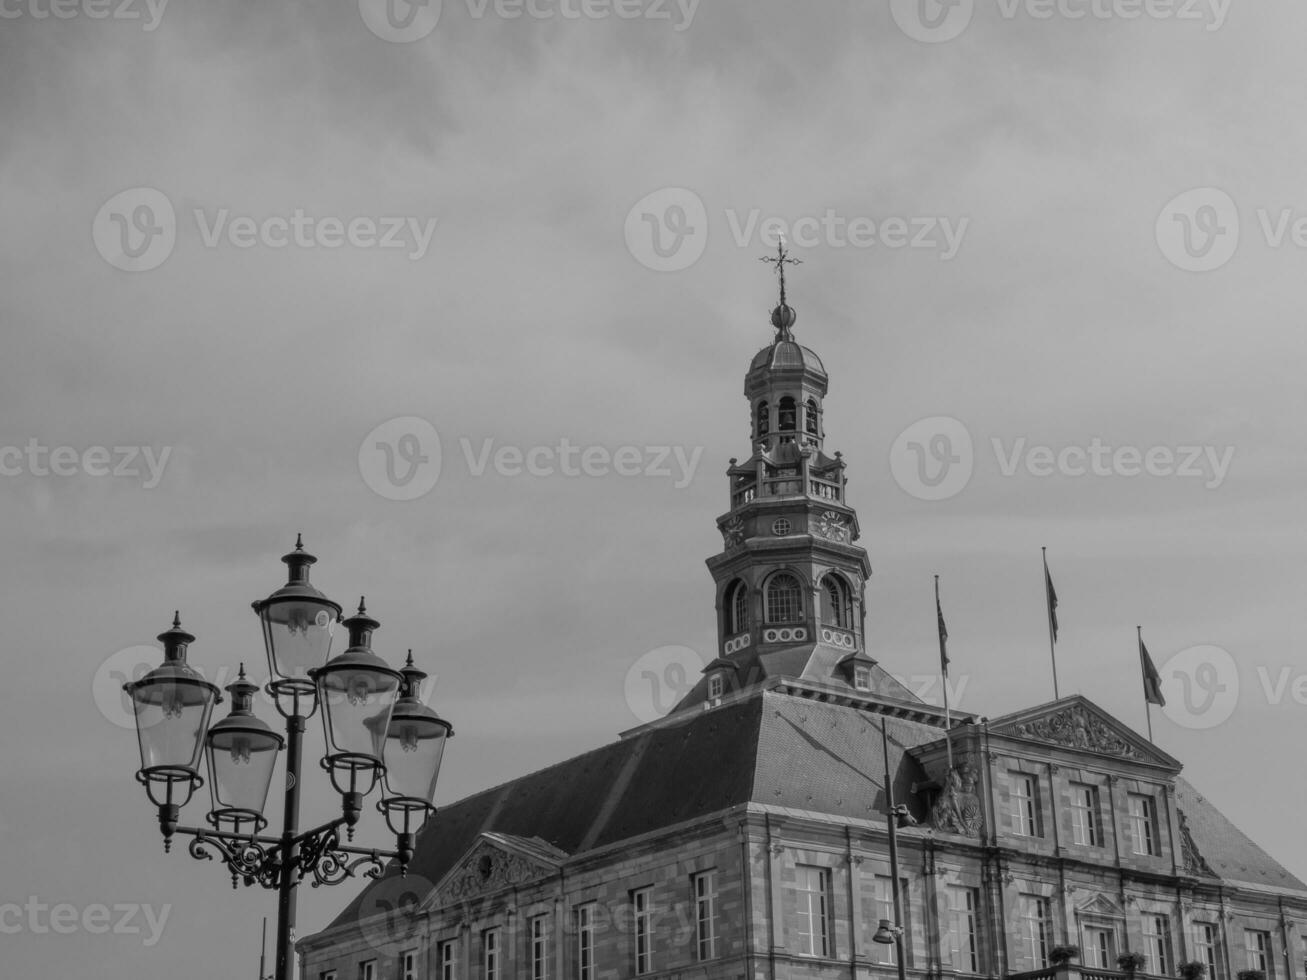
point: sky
(466, 293)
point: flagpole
(1052, 640)
(943, 668)
(1148, 705)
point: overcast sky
(995, 237)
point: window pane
(784, 599)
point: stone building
(744, 835)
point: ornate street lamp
(415, 744)
(242, 752)
(298, 624)
(173, 704)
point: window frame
(716, 685)
(538, 946)
(792, 412)
(737, 607)
(1157, 944)
(446, 959)
(1029, 813)
(1037, 919)
(703, 888)
(814, 910)
(1263, 951)
(642, 929)
(408, 964)
(1086, 816)
(1145, 821)
(837, 602)
(368, 970)
(491, 952)
(1207, 947)
(810, 414)
(969, 914)
(584, 920)
(771, 599)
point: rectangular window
(540, 947)
(490, 954)
(445, 958)
(1084, 815)
(1157, 945)
(408, 965)
(1100, 947)
(1206, 938)
(641, 904)
(885, 910)
(368, 970)
(1257, 951)
(715, 687)
(862, 678)
(964, 937)
(705, 914)
(1143, 823)
(1036, 926)
(1025, 805)
(813, 885)
(585, 942)
(327, 975)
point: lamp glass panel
(298, 635)
(171, 719)
(414, 749)
(357, 705)
(242, 764)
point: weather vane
(780, 260)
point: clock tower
(791, 577)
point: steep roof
(770, 747)
(1225, 848)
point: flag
(943, 633)
(1152, 679)
(1051, 595)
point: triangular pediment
(1077, 724)
(497, 862)
(1100, 905)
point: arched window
(784, 599)
(737, 608)
(787, 415)
(835, 606)
(764, 419)
(810, 422)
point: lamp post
(371, 740)
(887, 932)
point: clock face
(781, 527)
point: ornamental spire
(783, 316)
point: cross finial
(780, 260)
